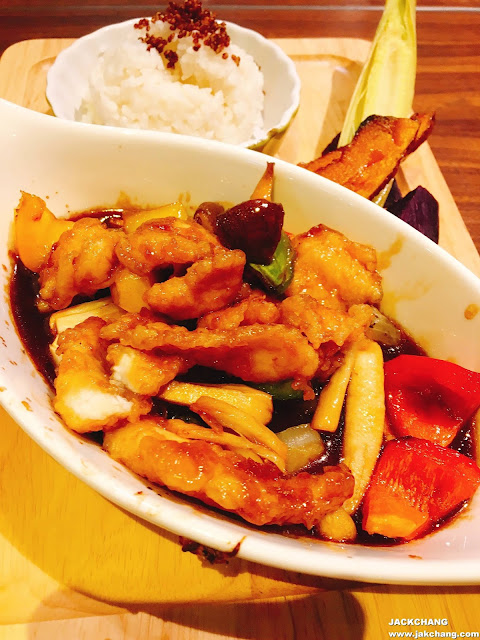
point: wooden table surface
(448, 81)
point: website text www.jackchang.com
(427, 633)
(433, 634)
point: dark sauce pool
(33, 329)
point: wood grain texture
(64, 550)
(335, 615)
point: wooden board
(64, 550)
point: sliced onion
(304, 445)
(383, 331)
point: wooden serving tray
(64, 550)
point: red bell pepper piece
(415, 484)
(429, 398)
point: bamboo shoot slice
(364, 419)
(330, 403)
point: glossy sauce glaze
(33, 329)
(32, 326)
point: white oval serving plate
(77, 167)
(67, 78)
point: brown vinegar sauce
(33, 329)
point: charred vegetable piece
(419, 209)
(416, 483)
(254, 226)
(429, 398)
(371, 160)
(332, 145)
(279, 273)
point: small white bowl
(67, 78)
(78, 167)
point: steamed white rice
(205, 94)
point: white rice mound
(204, 95)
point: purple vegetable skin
(419, 209)
(394, 195)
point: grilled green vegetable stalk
(386, 85)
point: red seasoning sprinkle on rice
(187, 19)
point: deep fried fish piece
(128, 321)
(257, 353)
(334, 270)
(81, 262)
(318, 323)
(85, 397)
(143, 373)
(208, 285)
(329, 331)
(256, 491)
(371, 160)
(256, 308)
(165, 242)
(321, 324)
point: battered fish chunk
(258, 492)
(321, 324)
(208, 285)
(335, 270)
(85, 397)
(81, 262)
(143, 373)
(128, 321)
(254, 309)
(257, 353)
(165, 242)
(116, 331)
